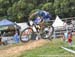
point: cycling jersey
(45, 16)
(37, 20)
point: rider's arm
(30, 21)
(33, 15)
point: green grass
(70, 47)
(52, 49)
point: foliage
(19, 10)
(48, 7)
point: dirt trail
(18, 49)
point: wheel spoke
(26, 35)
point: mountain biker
(41, 16)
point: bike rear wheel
(48, 34)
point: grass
(52, 49)
(70, 47)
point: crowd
(4, 38)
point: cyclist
(41, 16)
(37, 32)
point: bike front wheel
(26, 35)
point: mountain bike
(34, 32)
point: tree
(20, 10)
(48, 7)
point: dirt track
(18, 49)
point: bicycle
(34, 32)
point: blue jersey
(37, 20)
(44, 14)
